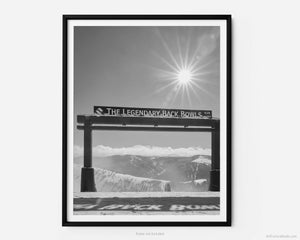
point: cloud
(149, 151)
(78, 151)
(208, 42)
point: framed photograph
(146, 120)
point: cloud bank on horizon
(147, 151)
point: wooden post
(215, 157)
(87, 172)
(87, 143)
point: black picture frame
(65, 61)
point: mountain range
(176, 173)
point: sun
(183, 72)
(184, 76)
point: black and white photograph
(147, 120)
(150, 120)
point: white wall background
(266, 83)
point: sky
(139, 66)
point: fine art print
(146, 120)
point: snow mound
(197, 181)
(109, 181)
(202, 160)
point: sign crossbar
(147, 121)
(154, 129)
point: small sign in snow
(172, 204)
